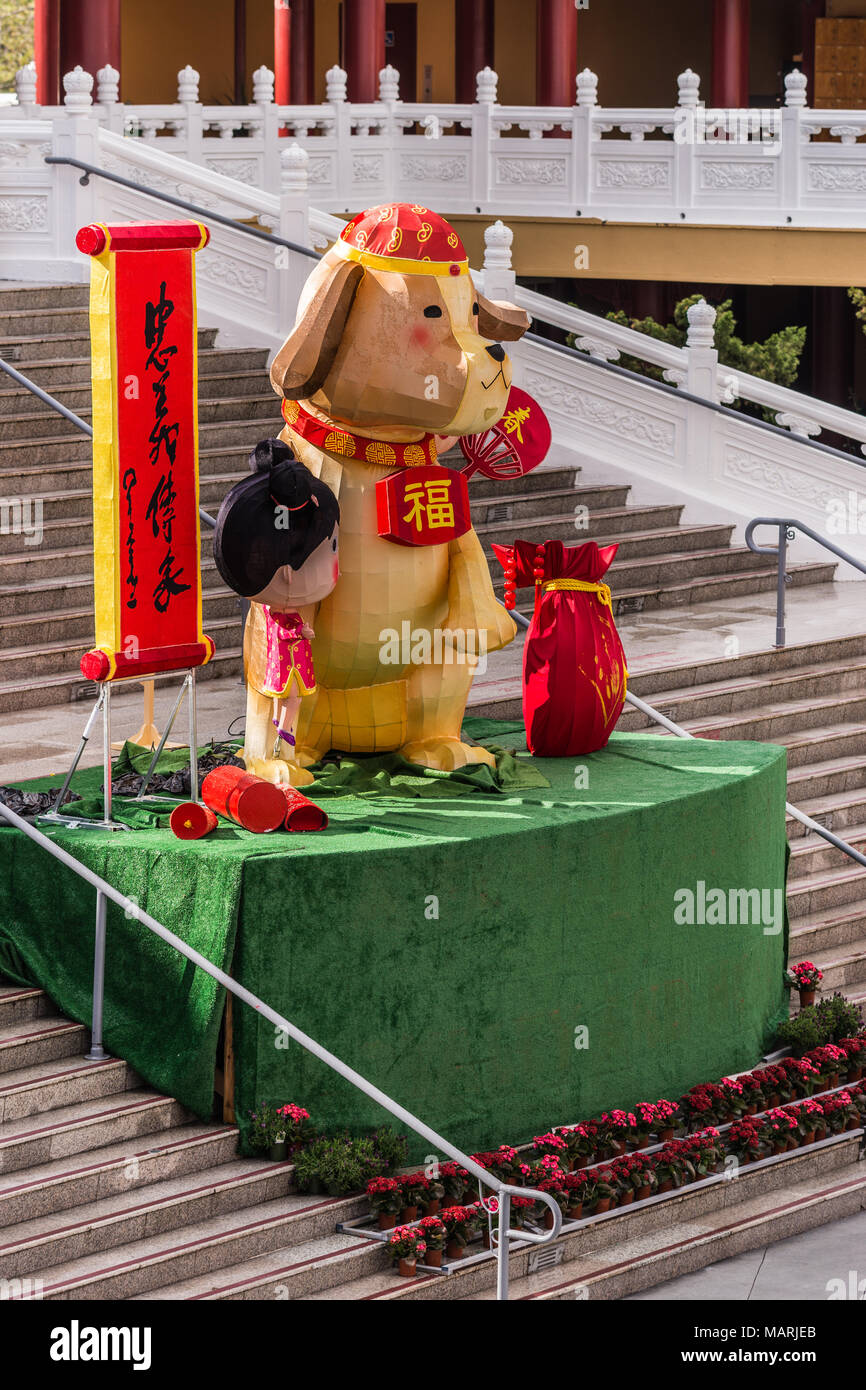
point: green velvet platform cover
(497, 958)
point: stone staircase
(46, 590)
(111, 1191)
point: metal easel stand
(103, 706)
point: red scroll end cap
(91, 240)
(95, 665)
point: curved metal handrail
(787, 526)
(104, 892)
(233, 222)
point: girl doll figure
(276, 543)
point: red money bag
(574, 669)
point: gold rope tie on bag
(581, 585)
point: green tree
(16, 39)
(776, 359)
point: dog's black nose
(497, 352)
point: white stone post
(499, 277)
(187, 98)
(483, 134)
(294, 225)
(25, 85)
(793, 141)
(686, 129)
(269, 125)
(75, 136)
(335, 95)
(698, 447)
(586, 103)
(108, 97)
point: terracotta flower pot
(643, 1192)
(581, 1161)
(433, 1258)
(642, 1142)
(407, 1215)
(780, 1146)
(666, 1185)
(666, 1135)
(407, 1268)
(432, 1208)
(853, 1123)
(807, 997)
(808, 1138)
(603, 1204)
(548, 1219)
(820, 1133)
(387, 1220)
(854, 1074)
(575, 1213)
(832, 1081)
(454, 1250)
(751, 1110)
(486, 1243)
(626, 1198)
(619, 1147)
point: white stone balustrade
(789, 165)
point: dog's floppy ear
(500, 321)
(306, 357)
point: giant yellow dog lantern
(393, 347)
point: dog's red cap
(406, 238)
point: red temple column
(473, 28)
(363, 47)
(89, 35)
(556, 53)
(46, 50)
(282, 52)
(730, 53)
(303, 73)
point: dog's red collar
(354, 446)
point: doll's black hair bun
(269, 452)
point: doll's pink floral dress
(289, 658)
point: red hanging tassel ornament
(510, 593)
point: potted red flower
(460, 1224)
(668, 1116)
(840, 1112)
(455, 1180)
(521, 1208)
(415, 1188)
(829, 1060)
(777, 1129)
(745, 1140)
(406, 1246)
(647, 1116)
(805, 977)
(606, 1188)
(855, 1051)
(807, 1115)
(614, 1131)
(434, 1233)
(580, 1192)
(386, 1200)
(552, 1145)
(753, 1096)
(557, 1189)
(801, 1076)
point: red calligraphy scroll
(146, 538)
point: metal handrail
(181, 203)
(787, 527)
(105, 892)
(683, 395)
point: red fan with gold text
(515, 445)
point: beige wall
(161, 36)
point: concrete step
(238, 384)
(34, 595)
(25, 457)
(60, 689)
(70, 320)
(492, 516)
(825, 777)
(844, 969)
(24, 295)
(832, 888)
(92, 1124)
(540, 479)
(654, 681)
(40, 1040)
(603, 525)
(64, 346)
(772, 723)
(171, 1205)
(113, 1169)
(821, 932)
(744, 693)
(21, 1003)
(336, 1268)
(22, 420)
(843, 813)
(63, 657)
(75, 371)
(43, 1086)
(203, 1246)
